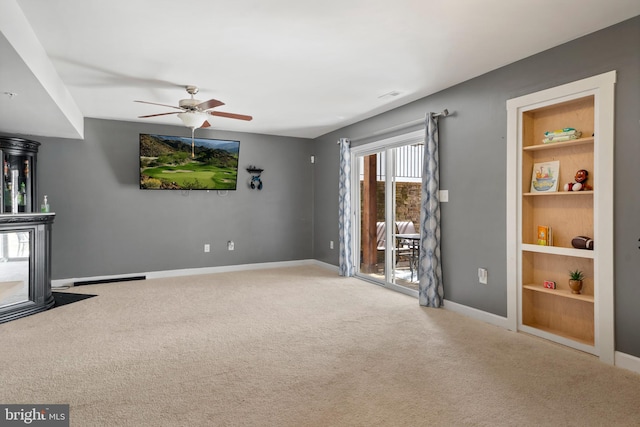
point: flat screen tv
(171, 163)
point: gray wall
(106, 225)
(473, 169)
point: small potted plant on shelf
(575, 281)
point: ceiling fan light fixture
(195, 113)
(193, 119)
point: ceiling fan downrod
(193, 154)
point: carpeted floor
(296, 347)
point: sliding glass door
(387, 198)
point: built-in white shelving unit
(583, 321)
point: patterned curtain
(430, 291)
(344, 210)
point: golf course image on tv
(172, 163)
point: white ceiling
(300, 68)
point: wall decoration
(255, 183)
(544, 178)
(166, 163)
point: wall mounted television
(166, 163)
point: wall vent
(109, 280)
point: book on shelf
(545, 235)
(544, 177)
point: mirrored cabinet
(15, 251)
(25, 264)
(25, 234)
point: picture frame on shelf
(544, 177)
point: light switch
(482, 275)
(444, 195)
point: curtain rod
(444, 113)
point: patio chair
(406, 249)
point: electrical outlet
(230, 245)
(207, 247)
(483, 275)
(330, 244)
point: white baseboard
(474, 313)
(64, 283)
(622, 360)
(627, 361)
(325, 265)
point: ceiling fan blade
(162, 105)
(206, 124)
(156, 115)
(212, 103)
(230, 115)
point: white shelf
(557, 250)
(559, 337)
(560, 292)
(561, 193)
(551, 145)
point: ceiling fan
(195, 113)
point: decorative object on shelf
(44, 207)
(582, 242)
(560, 135)
(575, 281)
(256, 182)
(580, 183)
(549, 284)
(545, 235)
(544, 178)
(14, 191)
